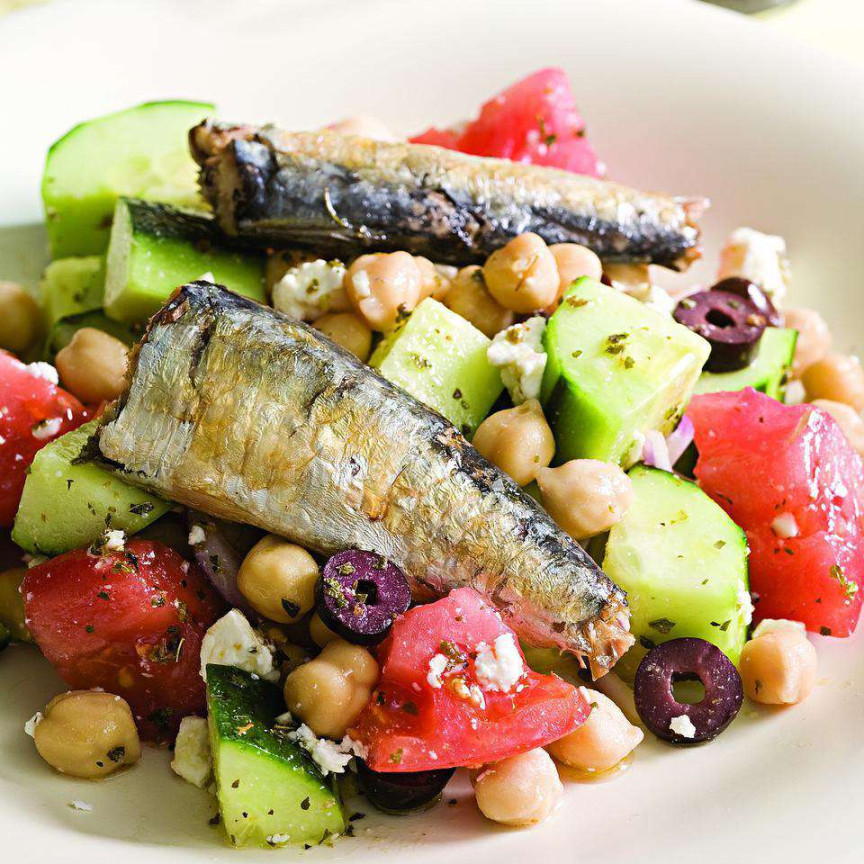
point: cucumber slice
(155, 248)
(67, 504)
(270, 792)
(768, 372)
(72, 286)
(440, 359)
(141, 151)
(616, 369)
(683, 563)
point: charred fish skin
(342, 193)
(254, 417)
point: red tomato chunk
(435, 706)
(535, 120)
(33, 412)
(130, 622)
(788, 476)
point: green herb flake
(103, 595)
(142, 509)
(396, 756)
(305, 803)
(850, 588)
(117, 754)
(576, 302)
(825, 631)
(663, 625)
(719, 544)
(89, 628)
(646, 643)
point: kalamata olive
(732, 325)
(752, 292)
(680, 660)
(402, 792)
(359, 594)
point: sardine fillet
(343, 194)
(251, 416)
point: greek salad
(336, 462)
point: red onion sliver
(679, 440)
(654, 452)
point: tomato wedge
(790, 478)
(130, 622)
(455, 691)
(33, 412)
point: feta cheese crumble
(773, 625)
(759, 257)
(192, 760)
(232, 641)
(500, 666)
(46, 428)
(83, 806)
(744, 605)
(278, 839)
(43, 370)
(114, 541)
(518, 353)
(32, 723)
(682, 726)
(437, 665)
(327, 755)
(196, 535)
(785, 526)
(312, 289)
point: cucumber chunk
(67, 504)
(768, 372)
(72, 286)
(440, 359)
(141, 151)
(616, 369)
(270, 792)
(155, 247)
(683, 563)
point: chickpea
(434, 282)
(522, 790)
(814, 337)
(348, 330)
(278, 579)
(518, 441)
(848, 419)
(522, 275)
(88, 734)
(574, 261)
(384, 286)
(329, 692)
(602, 741)
(20, 318)
(319, 632)
(585, 496)
(469, 297)
(838, 377)
(364, 125)
(93, 366)
(779, 667)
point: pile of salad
(241, 516)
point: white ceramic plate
(678, 96)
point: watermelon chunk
(534, 120)
(790, 478)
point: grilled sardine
(252, 416)
(343, 194)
